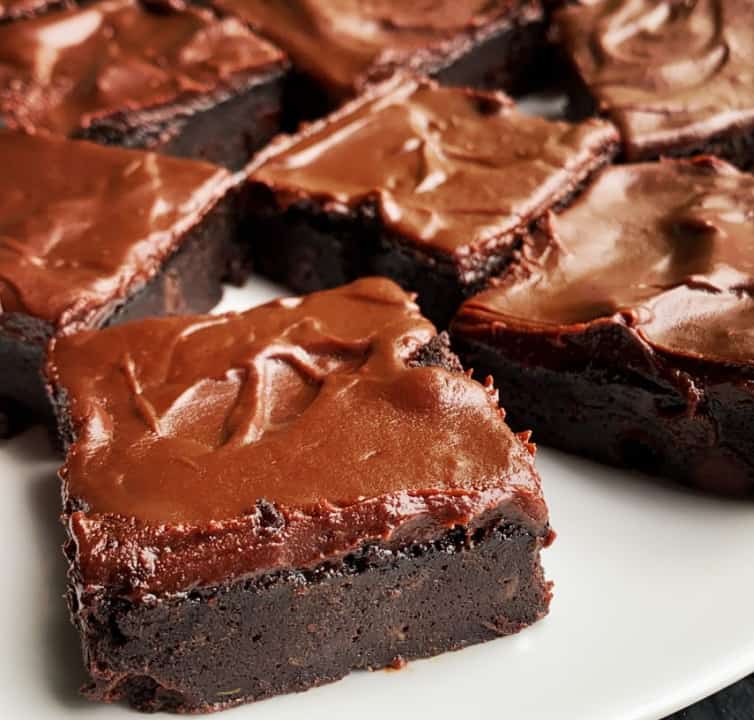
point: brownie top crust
(666, 249)
(448, 169)
(82, 226)
(665, 71)
(220, 446)
(369, 38)
(65, 70)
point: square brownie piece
(674, 76)
(428, 185)
(259, 503)
(170, 79)
(90, 236)
(626, 330)
(493, 44)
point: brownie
(484, 43)
(430, 186)
(674, 76)
(259, 503)
(626, 331)
(156, 76)
(90, 236)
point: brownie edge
(434, 586)
(286, 632)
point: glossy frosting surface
(448, 169)
(300, 425)
(64, 70)
(361, 34)
(666, 71)
(81, 225)
(666, 248)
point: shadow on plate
(62, 669)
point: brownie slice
(674, 76)
(156, 76)
(259, 503)
(427, 185)
(338, 46)
(90, 236)
(626, 331)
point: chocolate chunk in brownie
(338, 46)
(430, 186)
(261, 502)
(626, 331)
(90, 236)
(674, 76)
(152, 75)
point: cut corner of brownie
(437, 571)
(203, 87)
(612, 350)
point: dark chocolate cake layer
(674, 76)
(234, 482)
(625, 331)
(153, 76)
(90, 236)
(430, 186)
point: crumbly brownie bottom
(627, 420)
(190, 282)
(226, 128)
(308, 249)
(293, 630)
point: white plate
(652, 609)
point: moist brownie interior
(261, 502)
(624, 331)
(674, 76)
(90, 236)
(428, 185)
(143, 75)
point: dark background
(735, 703)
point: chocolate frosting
(448, 169)
(666, 249)
(666, 71)
(65, 70)
(362, 35)
(82, 226)
(219, 446)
